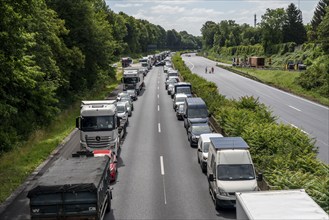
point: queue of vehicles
(227, 162)
(64, 191)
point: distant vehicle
(133, 78)
(124, 96)
(203, 148)
(160, 63)
(146, 62)
(182, 87)
(195, 130)
(172, 72)
(171, 80)
(229, 170)
(123, 112)
(195, 111)
(133, 94)
(113, 162)
(180, 112)
(126, 61)
(178, 99)
(74, 188)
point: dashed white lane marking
(294, 108)
(158, 87)
(158, 108)
(158, 96)
(159, 128)
(163, 180)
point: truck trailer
(133, 78)
(278, 204)
(74, 188)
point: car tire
(197, 155)
(108, 207)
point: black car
(195, 130)
(160, 63)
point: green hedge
(285, 155)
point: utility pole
(255, 20)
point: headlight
(222, 192)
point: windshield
(130, 80)
(197, 113)
(206, 147)
(180, 99)
(121, 109)
(235, 172)
(185, 89)
(197, 130)
(97, 123)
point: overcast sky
(190, 15)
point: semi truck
(74, 188)
(277, 204)
(133, 78)
(99, 126)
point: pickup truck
(74, 188)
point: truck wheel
(197, 155)
(217, 206)
(108, 208)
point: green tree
(323, 33)
(293, 28)
(271, 26)
(208, 31)
(319, 13)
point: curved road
(308, 116)
(158, 173)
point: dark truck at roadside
(74, 188)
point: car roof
(206, 137)
(180, 95)
(199, 124)
(122, 103)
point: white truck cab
(98, 125)
(229, 170)
(203, 149)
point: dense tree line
(52, 51)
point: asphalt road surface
(310, 117)
(158, 173)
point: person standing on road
(212, 69)
(205, 70)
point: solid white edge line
(159, 128)
(299, 129)
(294, 108)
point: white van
(229, 170)
(203, 148)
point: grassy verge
(284, 80)
(17, 165)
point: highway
(310, 117)
(158, 173)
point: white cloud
(128, 5)
(166, 9)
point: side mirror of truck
(260, 177)
(211, 177)
(199, 150)
(77, 122)
(118, 122)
